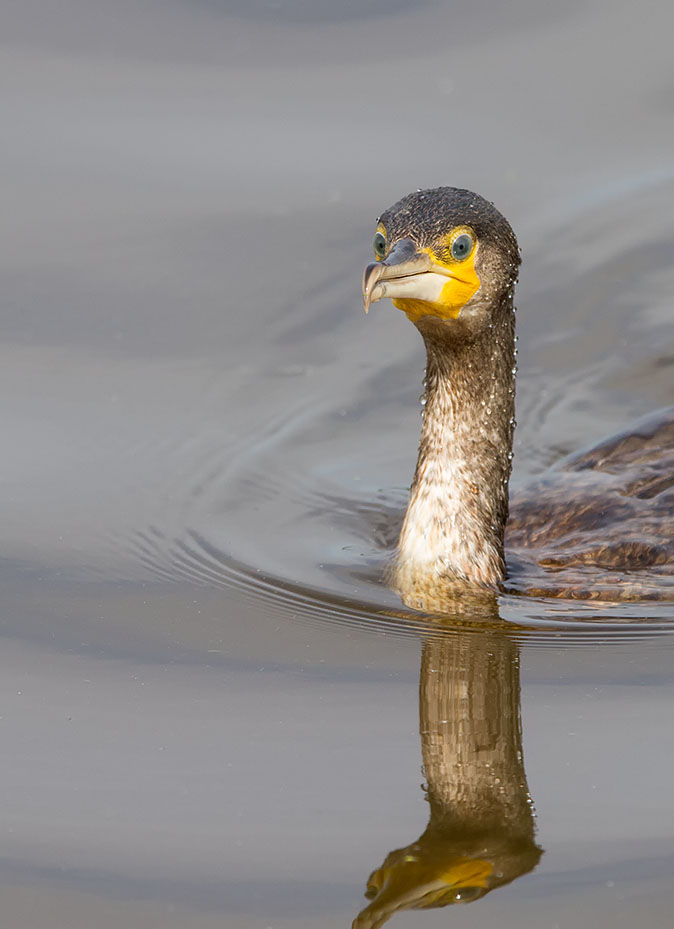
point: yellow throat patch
(462, 282)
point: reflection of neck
(458, 504)
(481, 830)
(471, 736)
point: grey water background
(207, 720)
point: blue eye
(379, 245)
(462, 246)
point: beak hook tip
(371, 276)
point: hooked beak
(394, 277)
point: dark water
(213, 712)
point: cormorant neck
(455, 521)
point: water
(214, 713)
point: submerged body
(600, 524)
(449, 260)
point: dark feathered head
(446, 254)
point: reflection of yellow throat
(427, 884)
(467, 872)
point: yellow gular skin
(461, 286)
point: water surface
(214, 711)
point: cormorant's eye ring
(379, 245)
(462, 246)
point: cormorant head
(446, 255)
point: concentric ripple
(195, 559)
(295, 499)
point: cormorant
(600, 525)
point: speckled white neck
(455, 520)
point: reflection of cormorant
(600, 526)
(481, 829)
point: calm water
(213, 712)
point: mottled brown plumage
(598, 526)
